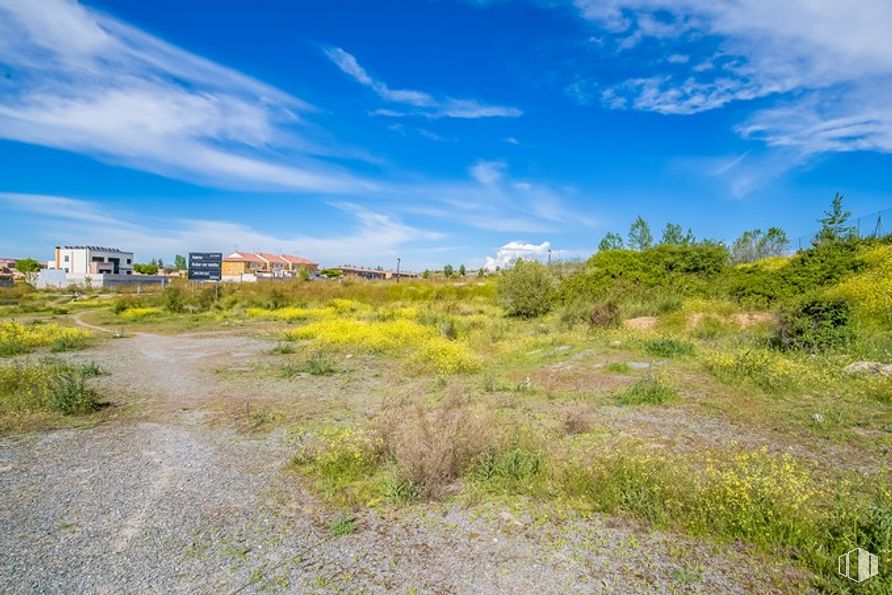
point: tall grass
(48, 385)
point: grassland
(705, 399)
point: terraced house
(249, 266)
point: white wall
(79, 260)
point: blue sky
(436, 131)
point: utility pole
(549, 257)
(397, 269)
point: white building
(91, 260)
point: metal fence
(875, 225)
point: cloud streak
(79, 80)
(419, 103)
(374, 236)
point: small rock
(871, 368)
(640, 365)
(616, 343)
(817, 418)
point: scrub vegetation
(677, 384)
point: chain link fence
(875, 225)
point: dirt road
(162, 500)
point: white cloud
(373, 237)
(488, 172)
(830, 62)
(423, 104)
(82, 81)
(512, 251)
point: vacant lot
(418, 438)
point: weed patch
(648, 391)
(668, 347)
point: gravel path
(169, 503)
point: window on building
(66, 258)
(129, 261)
(66, 268)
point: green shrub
(648, 391)
(686, 269)
(668, 347)
(70, 394)
(320, 364)
(173, 299)
(514, 464)
(814, 325)
(342, 525)
(527, 289)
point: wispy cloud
(371, 235)
(80, 80)
(493, 200)
(420, 103)
(829, 63)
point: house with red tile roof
(265, 265)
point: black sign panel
(205, 266)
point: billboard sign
(205, 266)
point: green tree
(481, 272)
(640, 237)
(611, 241)
(146, 269)
(527, 289)
(674, 235)
(448, 271)
(27, 265)
(461, 270)
(833, 223)
(179, 262)
(754, 244)
(426, 274)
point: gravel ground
(171, 503)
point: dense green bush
(685, 268)
(814, 324)
(527, 289)
(766, 282)
(173, 299)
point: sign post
(205, 266)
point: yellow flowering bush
(767, 369)
(870, 291)
(342, 305)
(140, 313)
(447, 357)
(342, 460)
(21, 338)
(290, 313)
(760, 498)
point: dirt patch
(642, 323)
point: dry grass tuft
(431, 446)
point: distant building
(91, 260)
(7, 265)
(349, 270)
(250, 266)
(92, 266)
